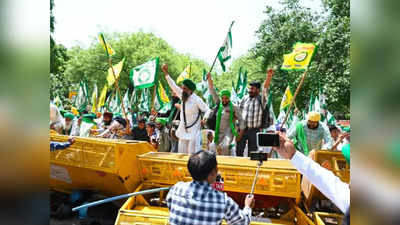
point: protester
(189, 127)
(310, 134)
(139, 132)
(337, 137)
(87, 123)
(117, 126)
(61, 145)
(226, 115)
(56, 120)
(196, 202)
(165, 144)
(68, 123)
(153, 136)
(252, 112)
(207, 138)
(324, 180)
(104, 124)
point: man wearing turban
(310, 134)
(227, 114)
(189, 127)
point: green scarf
(218, 123)
(301, 138)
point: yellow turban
(313, 116)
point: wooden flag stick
(294, 98)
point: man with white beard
(68, 122)
(189, 127)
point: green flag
(125, 100)
(82, 99)
(242, 92)
(144, 76)
(224, 53)
(239, 81)
(144, 101)
(330, 119)
(271, 108)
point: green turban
(69, 115)
(189, 84)
(90, 116)
(225, 93)
(162, 120)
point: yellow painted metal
(333, 161)
(275, 178)
(320, 216)
(106, 165)
(336, 161)
(137, 211)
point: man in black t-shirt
(139, 132)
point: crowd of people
(191, 127)
(227, 129)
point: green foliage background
(281, 29)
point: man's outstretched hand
(286, 147)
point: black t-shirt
(140, 134)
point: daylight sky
(190, 26)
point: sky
(191, 26)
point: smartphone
(267, 140)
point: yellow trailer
(106, 165)
(278, 183)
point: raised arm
(212, 89)
(267, 82)
(175, 88)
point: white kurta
(324, 180)
(190, 138)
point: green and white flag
(144, 76)
(330, 119)
(126, 101)
(271, 108)
(234, 98)
(115, 104)
(242, 88)
(82, 99)
(144, 101)
(224, 53)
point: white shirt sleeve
(174, 87)
(324, 180)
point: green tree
(58, 57)
(137, 48)
(330, 68)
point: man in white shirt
(324, 180)
(189, 127)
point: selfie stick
(255, 177)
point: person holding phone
(324, 180)
(197, 202)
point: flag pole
(294, 98)
(215, 59)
